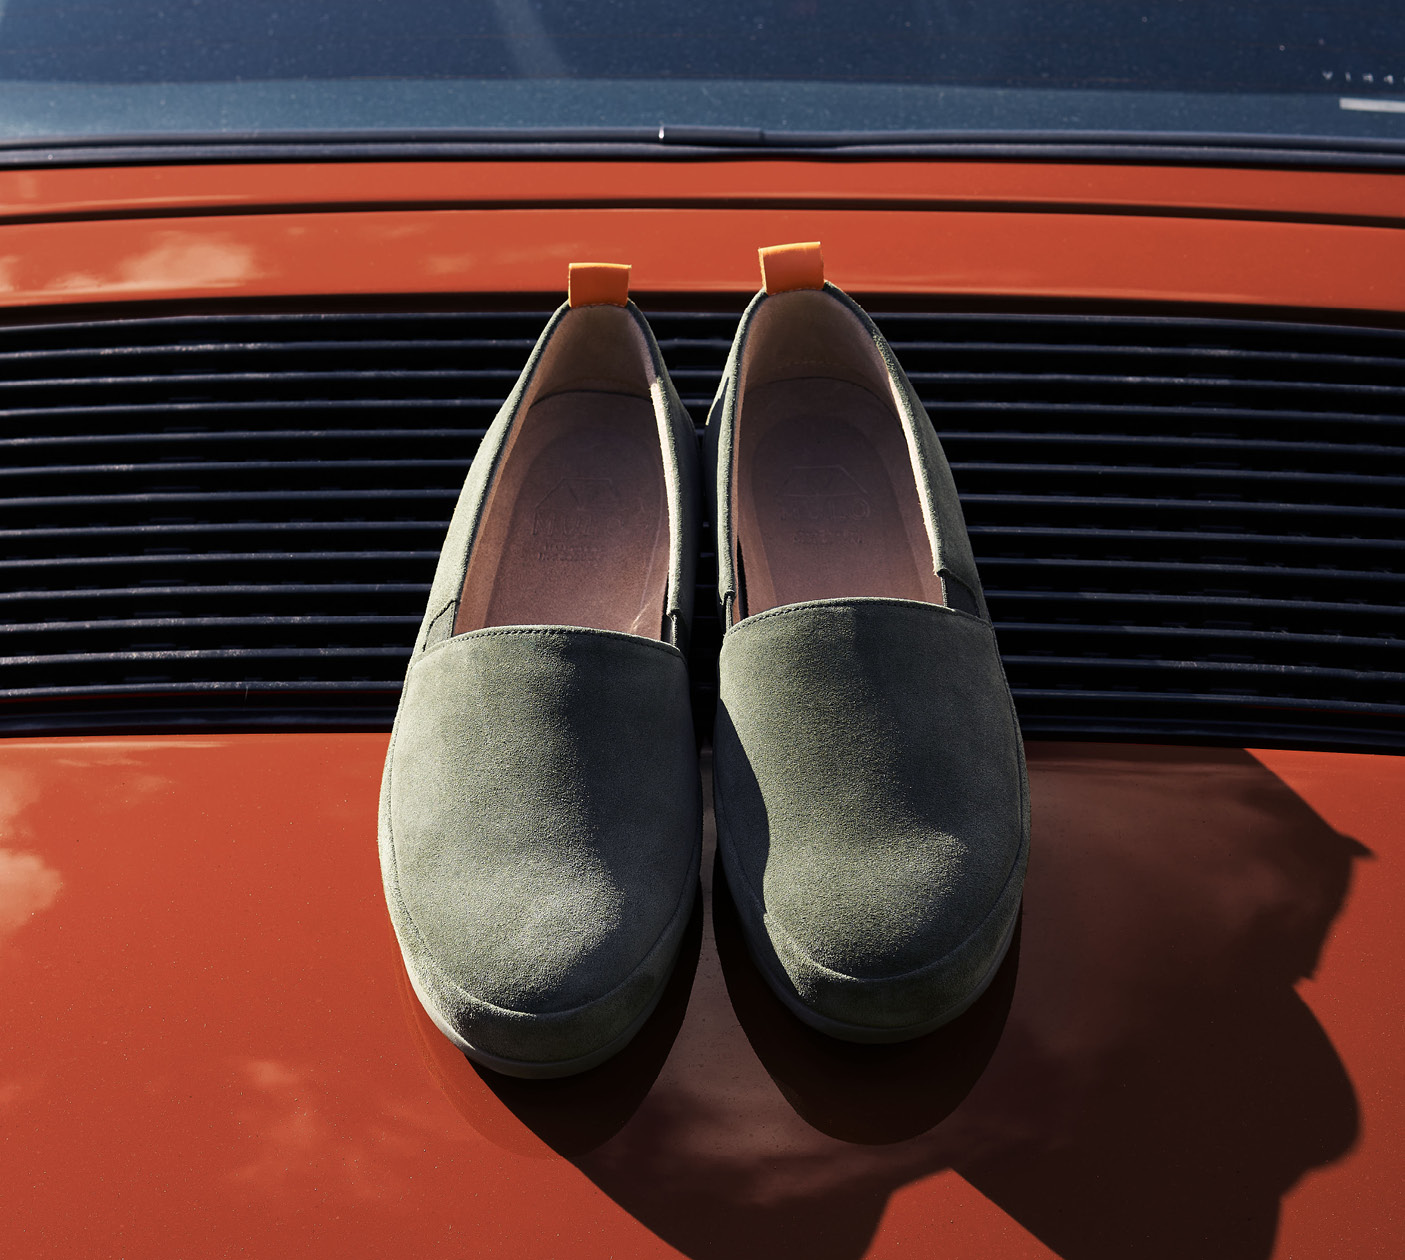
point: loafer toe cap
(916, 957)
(540, 838)
(541, 995)
(872, 809)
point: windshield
(124, 68)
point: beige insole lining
(576, 530)
(826, 500)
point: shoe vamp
(544, 808)
(869, 768)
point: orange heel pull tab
(787, 267)
(597, 284)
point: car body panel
(1271, 238)
(109, 191)
(210, 1046)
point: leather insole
(827, 503)
(575, 532)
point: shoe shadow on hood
(860, 1093)
(1141, 1080)
(1152, 1084)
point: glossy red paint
(375, 252)
(1290, 238)
(87, 191)
(210, 1047)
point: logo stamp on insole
(579, 519)
(824, 504)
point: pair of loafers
(540, 818)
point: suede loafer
(869, 777)
(540, 820)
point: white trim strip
(1368, 106)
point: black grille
(1188, 528)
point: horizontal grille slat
(1220, 507)
(157, 500)
(1189, 527)
(1240, 604)
(1039, 381)
(13, 538)
(153, 562)
(1240, 669)
(1119, 418)
(1034, 352)
(1122, 328)
(150, 351)
(157, 422)
(231, 590)
(1096, 534)
(223, 471)
(1143, 443)
(1209, 701)
(197, 655)
(1017, 633)
(1212, 479)
(1203, 572)
(388, 685)
(175, 440)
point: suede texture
(678, 440)
(946, 525)
(869, 776)
(542, 833)
(540, 814)
(871, 804)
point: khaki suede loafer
(540, 819)
(869, 778)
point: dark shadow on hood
(1155, 1087)
(860, 1093)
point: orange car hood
(211, 1048)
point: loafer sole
(525, 1069)
(867, 1035)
